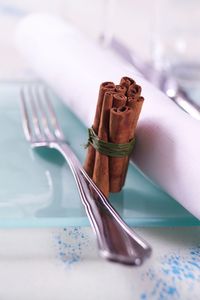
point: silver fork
(116, 241)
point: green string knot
(107, 148)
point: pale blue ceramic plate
(38, 190)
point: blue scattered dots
(194, 264)
(70, 243)
(175, 273)
(171, 290)
(143, 296)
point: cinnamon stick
(134, 90)
(120, 89)
(90, 157)
(136, 105)
(101, 165)
(115, 121)
(127, 81)
(120, 129)
(102, 172)
(119, 100)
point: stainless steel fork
(116, 241)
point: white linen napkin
(168, 144)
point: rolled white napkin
(168, 144)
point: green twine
(107, 148)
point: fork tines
(40, 123)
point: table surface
(64, 263)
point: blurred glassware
(176, 43)
(165, 83)
(169, 70)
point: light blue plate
(38, 190)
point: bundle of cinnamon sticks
(117, 112)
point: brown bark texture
(117, 113)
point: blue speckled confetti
(176, 273)
(71, 244)
(172, 273)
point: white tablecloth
(49, 264)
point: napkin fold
(167, 148)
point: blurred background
(130, 20)
(165, 34)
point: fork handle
(116, 241)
